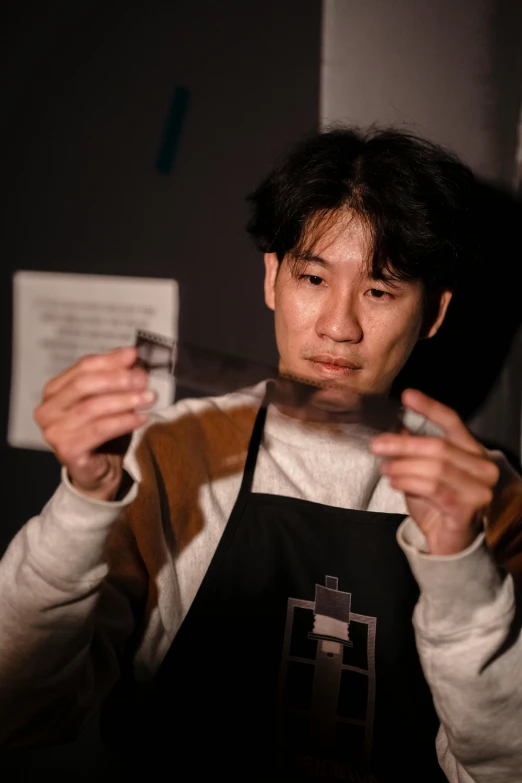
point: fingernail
(148, 396)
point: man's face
(336, 324)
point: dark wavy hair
(416, 198)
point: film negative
(214, 373)
(156, 354)
(199, 369)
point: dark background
(86, 94)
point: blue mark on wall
(172, 131)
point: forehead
(344, 243)
(339, 237)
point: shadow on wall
(462, 365)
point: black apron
(296, 660)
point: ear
(271, 270)
(445, 299)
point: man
(235, 584)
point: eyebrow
(392, 282)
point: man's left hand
(448, 481)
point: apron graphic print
(327, 677)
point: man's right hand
(97, 399)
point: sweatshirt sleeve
(65, 615)
(467, 625)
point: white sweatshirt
(83, 577)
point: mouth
(332, 367)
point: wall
(450, 71)
(453, 71)
(86, 91)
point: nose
(338, 319)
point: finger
(85, 386)
(93, 408)
(82, 443)
(445, 497)
(443, 453)
(446, 418)
(485, 475)
(119, 357)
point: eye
(377, 293)
(314, 280)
